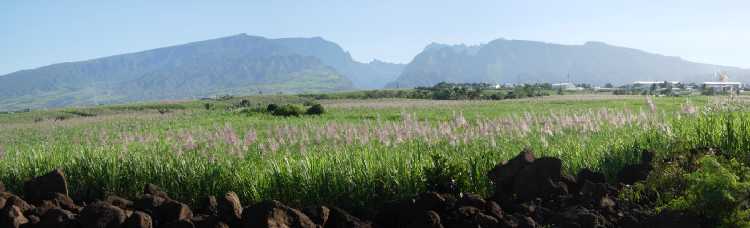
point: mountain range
(238, 65)
(246, 65)
(519, 61)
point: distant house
(649, 84)
(723, 86)
(566, 86)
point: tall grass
(353, 164)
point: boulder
(591, 176)
(12, 217)
(18, 202)
(503, 174)
(149, 203)
(210, 206)
(138, 219)
(339, 218)
(152, 189)
(101, 215)
(120, 202)
(229, 208)
(430, 201)
(57, 218)
(319, 215)
(495, 210)
(274, 214)
(578, 217)
(209, 221)
(42, 208)
(633, 173)
(471, 217)
(172, 210)
(179, 224)
(64, 202)
(469, 199)
(542, 178)
(428, 219)
(396, 214)
(44, 187)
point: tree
(609, 85)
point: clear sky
(37, 33)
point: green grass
(124, 147)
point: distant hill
(516, 61)
(239, 64)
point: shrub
(244, 103)
(718, 192)
(316, 109)
(288, 110)
(271, 107)
(207, 106)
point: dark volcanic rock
(588, 175)
(57, 218)
(319, 215)
(152, 189)
(44, 187)
(495, 210)
(138, 219)
(120, 202)
(430, 201)
(18, 202)
(504, 174)
(179, 224)
(396, 214)
(471, 217)
(469, 199)
(172, 210)
(42, 208)
(230, 208)
(340, 219)
(274, 214)
(209, 221)
(11, 217)
(210, 206)
(429, 219)
(64, 202)
(542, 178)
(149, 204)
(633, 173)
(101, 215)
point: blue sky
(37, 33)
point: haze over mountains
(238, 65)
(245, 65)
(517, 61)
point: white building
(566, 86)
(648, 84)
(723, 86)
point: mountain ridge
(523, 61)
(241, 64)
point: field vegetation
(358, 153)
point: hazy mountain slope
(515, 61)
(239, 64)
(373, 75)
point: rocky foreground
(530, 192)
